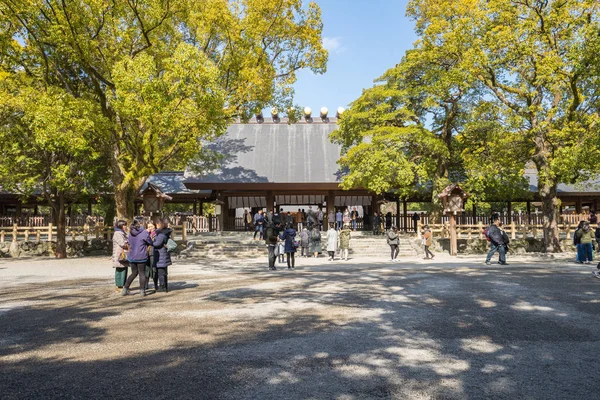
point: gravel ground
(362, 329)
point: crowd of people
(586, 240)
(145, 249)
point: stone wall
(75, 248)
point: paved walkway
(362, 329)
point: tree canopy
(164, 74)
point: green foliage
(164, 74)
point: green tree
(537, 61)
(166, 74)
(424, 90)
(49, 142)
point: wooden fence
(513, 230)
(48, 233)
(45, 220)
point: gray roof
(172, 183)
(591, 187)
(274, 153)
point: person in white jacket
(332, 242)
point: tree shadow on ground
(361, 334)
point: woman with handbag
(119, 254)
(139, 240)
(162, 257)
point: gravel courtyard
(362, 329)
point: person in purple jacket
(139, 240)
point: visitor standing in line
(498, 242)
(259, 224)
(347, 218)
(247, 220)
(415, 219)
(376, 223)
(119, 255)
(427, 240)
(304, 242)
(288, 236)
(354, 218)
(139, 240)
(332, 242)
(339, 217)
(388, 221)
(331, 218)
(315, 242)
(345, 242)
(310, 218)
(394, 242)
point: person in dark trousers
(339, 217)
(394, 242)
(119, 255)
(498, 242)
(577, 241)
(354, 218)
(376, 223)
(271, 244)
(427, 241)
(388, 221)
(304, 242)
(139, 240)
(161, 253)
(593, 219)
(587, 238)
(288, 236)
(151, 272)
(259, 224)
(415, 219)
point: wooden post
(27, 235)
(270, 201)
(509, 212)
(184, 233)
(14, 232)
(453, 238)
(405, 219)
(528, 212)
(201, 206)
(398, 212)
(37, 235)
(195, 211)
(50, 232)
(474, 214)
(513, 230)
(578, 205)
(480, 230)
(86, 231)
(1, 236)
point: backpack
(315, 235)
(486, 233)
(171, 245)
(296, 242)
(276, 220)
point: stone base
(75, 248)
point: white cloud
(333, 44)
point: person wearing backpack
(498, 242)
(162, 255)
(288, 236)
(315, 241)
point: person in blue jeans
(259, 222)
(587, 238)
(499, 242)
(354, 216)
(338, 220)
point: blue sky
(364, 39)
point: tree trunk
(124, 197)
(550, 208)
(61, 225)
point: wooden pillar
(405, 209)
(509, 212)
(397, 212)
(195, 210)
(330, 206)
(453, 236)
(36, 210)
(19, 209)
(529, 212)
(201, 208)
(474, 214)
(89, 206)
(270, 201)
(578, 205)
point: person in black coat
(290, 249)
(499, 242)
(162, 257)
